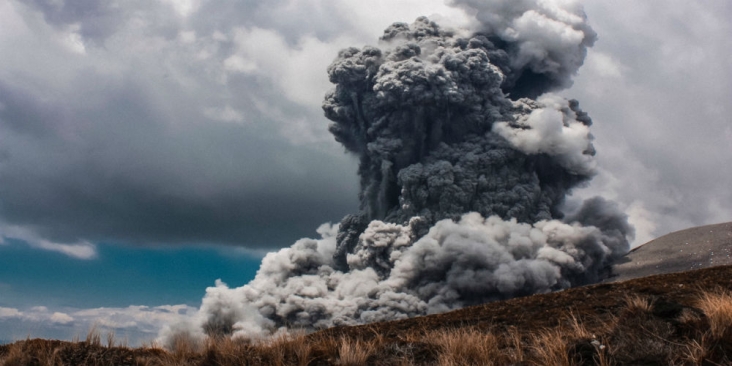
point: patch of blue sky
(119, 276)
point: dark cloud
(122, 170)
(661, 92)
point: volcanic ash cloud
(465, 159)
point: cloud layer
(133, 324)
(657, 85)
(188, 121)
(136, 124)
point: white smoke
(550, 127)
(466, 158)
(549, 37)
(456, 264)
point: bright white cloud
(37, 314)
(83, 250)
(10, 313)
(79, 250)
(60, 318)
(370, 18)
(298, 70)
(138, 323)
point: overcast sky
(170, 129)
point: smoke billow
(465, 159)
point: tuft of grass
(324, 349)
(515, 349)
(354, 352)
(465, 346)
(110, 339)
(94, 337)
(717, 306)
(577, 328)
(694, 353)
(635, 304)
(549, 347)
(183, 345)
(283, 349)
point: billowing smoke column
(466, 157)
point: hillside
(598, 304)
(684, 250)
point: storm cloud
(107, 140)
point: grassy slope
(598, 303)
(679, 318)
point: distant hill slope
(595, 303)
(684, 250)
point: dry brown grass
(465, 346)
(354, 352)
(94, 337)
(642, 330)
(638, 304)
(717, 306)
(30, 352)
(549, 347)
(514, 348)
(285, 349)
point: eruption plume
(465, 159)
